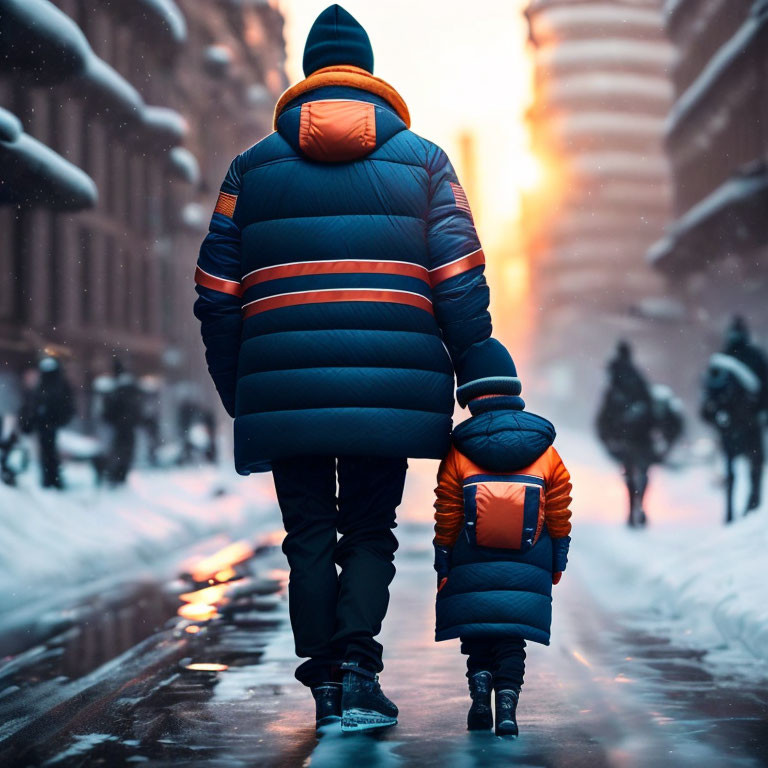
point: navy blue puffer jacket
(341, 282)
(502, 519)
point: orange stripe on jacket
(457, 267)
(336, 295)
(219, 284)
(456, 467)
(345, 266)
(225, 205)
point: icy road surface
(624, 684)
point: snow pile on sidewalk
(49, 539)
(708, 579)
(717, 581)
(687, 565)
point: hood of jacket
(504, 440)
(340, 114)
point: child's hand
(442, 562)
(556, 576)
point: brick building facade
(143, 104)
(715, 251)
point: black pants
(121, 458)
(336, 615)
(636, 476)
(504, 659)
(50, 463)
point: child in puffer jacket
(502, 525)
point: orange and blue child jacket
(341, 283)
(502, 512)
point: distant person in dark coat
(739, 344)
(197, 427)
(625, 426)
(149, 420)
(735, 403)
(122, 411)
(46, 408)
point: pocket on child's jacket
(504, 513)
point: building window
(110, 279)
(126, 293)
(86, 277)
(145, 294)
(55, 283)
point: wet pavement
(216, 689)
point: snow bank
(701, 579)
(716, 582)
(707, 579)
(51, 539)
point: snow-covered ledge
(168, 14)
(33, 174)
(39, 39)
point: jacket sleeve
(557, 512)
(217, 278)
(459, 292)
(449, 502)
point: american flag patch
(460, 196)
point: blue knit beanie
(337, 38)
(486, 368)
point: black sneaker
(363, 705)
(480, 717)
(506, 712)
(327, 703)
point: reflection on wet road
(214, 687)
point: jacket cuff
(227, 395)
(560, 549)
(442, 559)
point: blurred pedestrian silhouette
(13, 457)
(637, 425)
(122, 411)
(46, 408)
(735, 399)
(197, 429)
(149, 421)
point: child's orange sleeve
(449, 504)
(557, 508)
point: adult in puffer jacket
(340, 287)
(502, 525)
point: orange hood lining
(354, 77)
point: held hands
(556, 576)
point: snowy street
(523, 240)
(626, 682)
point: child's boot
(506, 712)
(480, 717)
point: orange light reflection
(225, 558)
(197, 612)
(208, 595)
